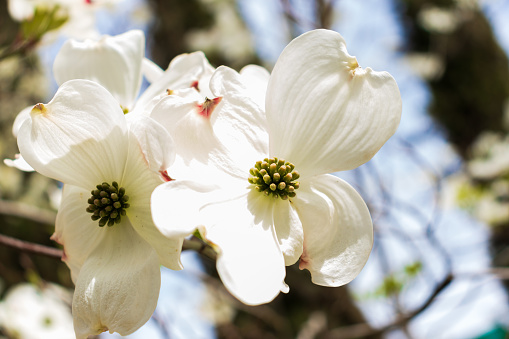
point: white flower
(29, 312)
(117, 63)
(323, 113)
(80, 14)
(83, 139)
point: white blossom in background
(118, 64)
(30, 312)
(483, 187)
(109, 168)
(323, 113)
(79, 14)
(237, 48)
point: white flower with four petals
(110, 168)
(323, 114)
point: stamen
(275, 177)
(108, 203)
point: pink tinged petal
(338, 231)
(78, 138)
(154, 142)
(151, 70)
(75, 230)
(182, 72)
(250, 262)
(288, 230)
(118, 285)
(239, 123)
(114, 62)
(139, 182)
(255, 79)
(325, 113)
(207, 107)
(19, 163)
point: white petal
(114, 62)
(289, 230)
(325, 113)
(240, 223)
(78, 138)
(239, 123)
(192, 132)
(19, 163)
(250, 263)
(176, 206)
(155, 143)
(118, 285)
(255, 78)
(75, 230)
(21, 10)
(20, 119)
(183, 71)
(139, 182)
(338, 231)
(150, 70)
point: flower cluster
(202, 150)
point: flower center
(108, 203)
(275, 177)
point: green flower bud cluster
(108, 203)
(275, 177)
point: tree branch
(29, 247)
(363, 330)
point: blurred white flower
(439, 20)
(489, 156)
(79, 14)
(323, 113)
(29, 312)
(110, 168)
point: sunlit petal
(114, 62)
(325, 113)
(75, 230)
(78, 138)
(338, 231)
(118, 285)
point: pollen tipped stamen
(108, 203)
(274, 177)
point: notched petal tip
(195, 85)
(208, 106)
(39, 109)
(166, 177)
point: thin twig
(199, 246)
(363, 330)
(30, 247)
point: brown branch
(29, 247)
(26, 211)
(293, 17)
(43, 216)
(363, 330)
(199, 246)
